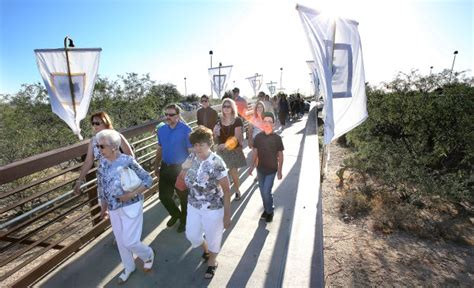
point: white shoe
(149, 263)
(123, 277)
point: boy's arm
(254, 160)
(280, 164)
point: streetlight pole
(220, 65)
(281, 77)
(185, 88)
(210, 54)
(431, 69)
(452, 66)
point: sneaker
(269, 218)
(172, 221)
(264, 215)
(181, 227)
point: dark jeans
(265, 184)
(168, 175)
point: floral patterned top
(108, 180)
(202, 180)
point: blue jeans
(265, 184)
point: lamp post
(185, 88)
(220, 65)
(210, 54)
(452, 66)
(431, 69)
(281, 77)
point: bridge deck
(284, 253)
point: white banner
(84, 64)
(219, 77)
(271, 87)
(314, 77)
(256, 82)
(340, 68)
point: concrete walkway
(284, 253)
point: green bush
(419, 136)
(28, 126)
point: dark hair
(201, 134)
(104, 117)
(204, 96)
(175, 107)
(269, 114)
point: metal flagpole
(325, 147)
(71, 85)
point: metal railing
(42, 222)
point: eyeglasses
(170, 114)
(101, 146)
(226, 106)
(96, 123)
(202, 101)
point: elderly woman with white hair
(125, 208)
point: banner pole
(71, 87)
(325, 148)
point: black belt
(164, 164)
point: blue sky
(171, 39)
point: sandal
(205, 256)
(238, 196)
(211, 270)
(149, 263)
(123, 277)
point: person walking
(99, 121)
(267, 156)
(209, 208)
(172, 150)
(256, 122)
(283, 110)
(125, 208)
(228, 133)
(206, 115)
(241, 103)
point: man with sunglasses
(173, 149)
(206, 115)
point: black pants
(168, 175)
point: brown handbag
(180, 184)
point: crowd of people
(206, 159)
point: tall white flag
(219, 77)
(340, 68)
(256, 82)
(52, 66)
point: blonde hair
(255, 115)
(232, 105)
(104, 117)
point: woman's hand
(187, 164)
(227, 221)
(104, 213)
(221, 147)
(77, 187)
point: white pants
(128, 233)
(200, 222)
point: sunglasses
(96, 123)
(170, 114)
(226, 106)
(101, 146)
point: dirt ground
(356, 256)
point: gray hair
(111, 136)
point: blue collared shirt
(174, 143)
